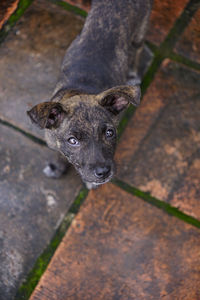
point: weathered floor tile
(7, 7)
(31, 206)
(163, 17)
(30, 59)
(189, 43)
(120, 247)
(159, 150)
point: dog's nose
(102, 172)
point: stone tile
(30, 59)
(189, 43)
(159, 150)
(163, 17)
(31, 206)
(7, 8)
(119, 247)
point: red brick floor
(163, 16)
(84, 4)
(159, 151)
(7, 7)
(189, 43)
(120, 247)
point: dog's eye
(73, 141)
(109, 133)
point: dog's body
(82, 116)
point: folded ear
(47, 114)
(117, 99)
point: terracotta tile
(120, 247)
(30, 66)
(163, 17)
(189, 43)
(84, 4)
(32, 206)
(188, 188)
(160, 146)
(7, 8)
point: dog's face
(83, 128)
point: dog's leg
(56, 168)
(134, 78)
(136, 49)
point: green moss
(180, 24)
(173, 211)
(168, 53)
(27, 287)
(69, 7)
(26, 134)
(160, 53)
(22, 6)
(78, 201)
(43, 260)
(149, 76)
(165, 50)
(185, 61)
(125, 119)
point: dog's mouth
(96, 182)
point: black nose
(102, 172)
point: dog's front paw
(53, 170)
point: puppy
(81, 118)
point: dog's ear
(117, 99)
(47, 115)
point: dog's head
(83, 128)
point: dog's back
(100, 57)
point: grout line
(161, 52)
(127, 115)
(70, 7)
(42, 262)
(176, 57)
(180, 24)
(26, 289)
(21, 8)
(24, 133)
(165, 50)
(166, 207)
(147, 79)
(184, 60)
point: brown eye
(110, 133)
(73, 141)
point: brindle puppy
(80, 120)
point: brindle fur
(92, 89)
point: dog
(94, 88)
